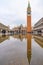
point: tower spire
(29, 8)
(28, 3)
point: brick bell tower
(29, 18)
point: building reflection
(3, 38)
(29, 49)
(20, 36)
(39, 40)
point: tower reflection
(29, 49)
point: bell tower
(29, 18)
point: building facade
(20, 29)
(4, 29)
(38, 27)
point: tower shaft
(28, 18)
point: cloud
(14, 12)
(37, 10)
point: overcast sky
(14, 12)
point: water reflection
(29, 49)
(15, 52)
(39, 40)
(20, 36)
(29, 53)
(3, 38)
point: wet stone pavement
(21, 50)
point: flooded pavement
(21, 50)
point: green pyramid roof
(28, 4)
